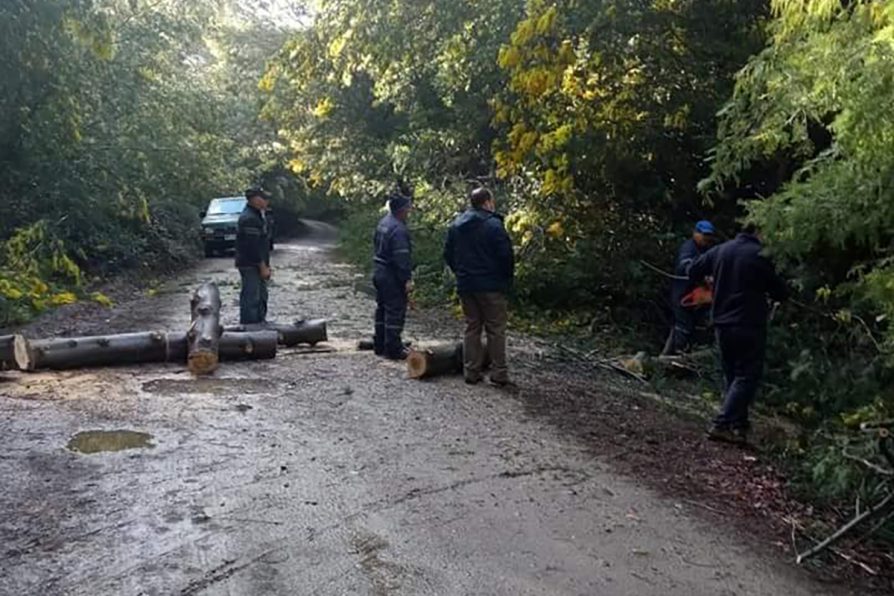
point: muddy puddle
(102, 441)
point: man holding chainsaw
(743, 278)
(689, 301)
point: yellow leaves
(62, 298)
(547, 20)
(102, 299)
(323, 108)
(297, 165)
(556, 182)
(509, 57)
(555, 230)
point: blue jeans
(391, 311)
(253, 297)
(742, 353)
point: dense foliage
(120, 117)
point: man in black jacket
(392, 279)
(743, 279)
(478, 250)
(253, 257)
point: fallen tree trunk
(445, 359)
(256, 345)
(82, 352)
(7, 352)
(300, 332)
(134, 348)
(204, 333)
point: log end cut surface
(417, 364)
(22, 353)
(203, 362)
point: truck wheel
(209, 252)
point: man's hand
(265, 271)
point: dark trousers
(683, 330)
(253, 297)
(742, 352)
(391, 312)
(488, 312)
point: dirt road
(329, 474)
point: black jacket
(743, 278)
(252, 239)
(478, 250)
(393, 248)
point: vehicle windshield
(226, 206)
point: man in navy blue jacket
(479, 252)
(743, 279)
(687, 317)
(392, 278)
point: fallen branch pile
(882, 511)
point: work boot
(725, 434)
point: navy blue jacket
(252, 239)
(479, 252)
(393, 248)
(688, 253)
(743, 278)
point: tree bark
(7, 352)
(300, 332)
(256, 345)
(82, 352)
(135, 348)
(203, 338)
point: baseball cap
(705, 227)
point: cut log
(257, 345)
(444, 359)
(203, 337)
(300, 332)
(7, 352)
(82, 352)
(438, 360)
(134, 348)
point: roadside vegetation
(606, 129)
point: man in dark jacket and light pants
(253, 257)
(479, 252)
(392, 278)
(743, 278)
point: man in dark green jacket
(479, 252)
(253, 257)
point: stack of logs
(202, 347)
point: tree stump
(203, 337)
(300, 332)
